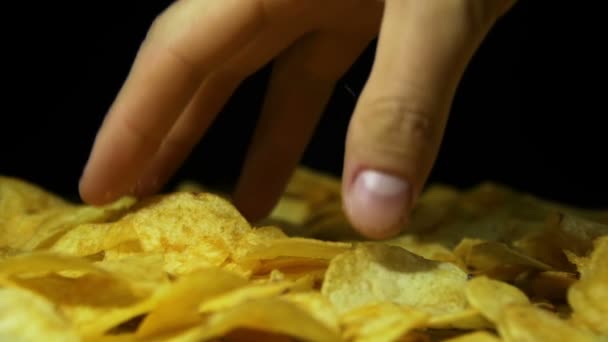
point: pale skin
(198, 51)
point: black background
(529, 112)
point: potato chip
(466, 320)
(381, 322)
(254, 291)
(316, 306)
(19, 197)
(191, 231)
(44, 262)
(478, 336)
(143, 272)
(562, 232)
(589, 296)
(551, 285)
(374, 273)
(186, 266)
(485, 257)
(269, 315)
(93, 322)
(528, 323)
(297, 248)
(179, 308)
(491, 297)
(429, 250)
(25, 316)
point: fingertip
(377, 203)
(94, 191)
(91, 196)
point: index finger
(189, 39)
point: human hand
(198, 51)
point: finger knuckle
(395, 124)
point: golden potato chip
(90, 239)
(432, 207)
(381, 322)
(18, 230)
(38, 229)
(296, 247)
(374, 273)
(528, 323)
(316, 187)
(484, 257)
(25, 316)
(293, 211)
(491, 297)
(81, 291)
(179, 308)
(317, 306)
(19, 197)
(254, 291)
(269, 315)
(93, 322)
(478, 336)
(187, 266)
(562, 232)
(428, 250)
(333, 228)
(143, 272)
(44, 262)
(589, 296)
(191, 231)
(466, 320)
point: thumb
(397, 127)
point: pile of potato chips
(485, 264)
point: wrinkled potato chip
(486, 263)
(374, 273)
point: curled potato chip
(562, 232)
(374, 273)
(179, 307)
(254, 291)
(483, 257)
